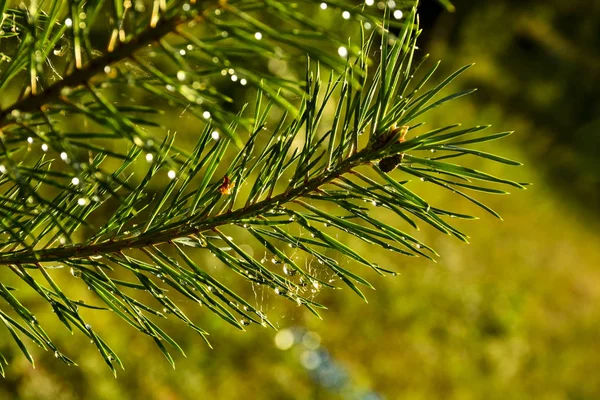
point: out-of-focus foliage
(513, 315)
(538, 69)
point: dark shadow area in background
(546, 57)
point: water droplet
(258, 36)
(82, 201)
(44, 147)
(88, 327)
(75, 181)
(75, 272)
(149, 157)
(171, 174)
(244, 322)
(215, 135)
(2, 169)
(69, 22)
(369, 2)
(323, 6)
(289, 271)
(343, 52)
(59, 50)
(206, 114)
(29, 140)
(243, 82)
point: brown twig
(184, 229)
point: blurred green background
(513, 315)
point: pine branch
(81, 76)
(149, 200)
(186, 229)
